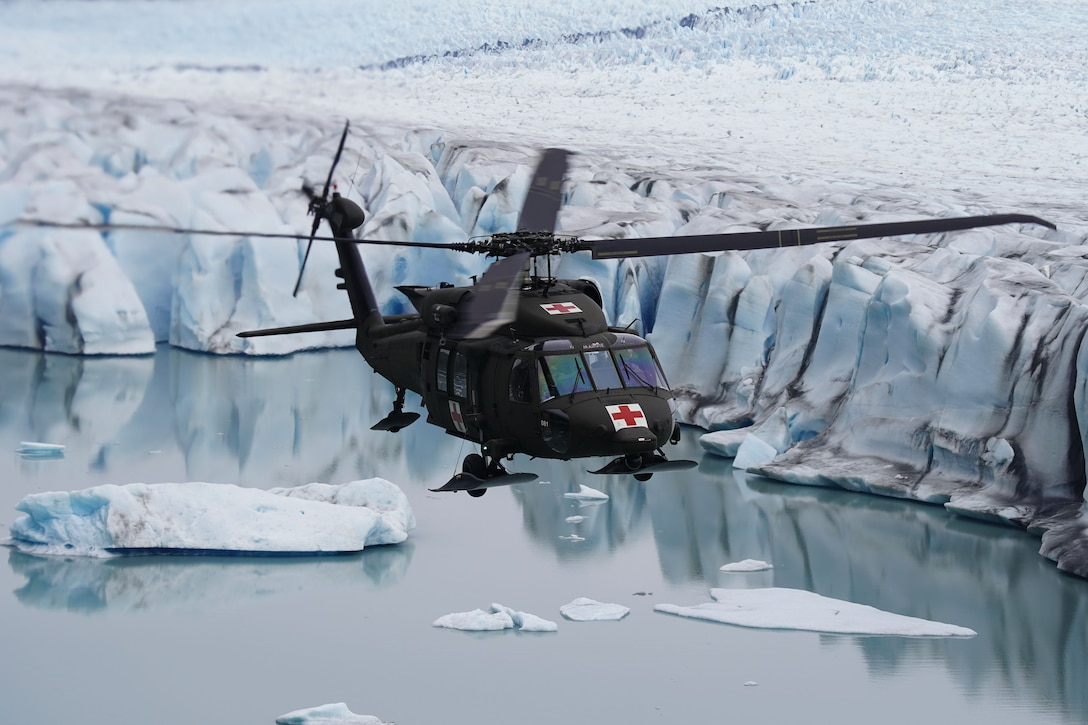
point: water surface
(240, 640)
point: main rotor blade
(493, 301)
(651, 246)
(541, 208)
(163, 229)
(335, 160)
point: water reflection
(903, 557)
(54, 398)
(267, 422)
(204, 583)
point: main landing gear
(644, 465)
(477, 475)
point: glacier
(947, 369)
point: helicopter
(519, 361)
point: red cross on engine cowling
(561, 308)
(626, 416)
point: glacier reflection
(202, 583)
(266, 422)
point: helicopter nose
(634, 440)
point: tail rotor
(319, 205)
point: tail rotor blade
(319, 206)
(541, 208)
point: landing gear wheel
(643, 476)
(474, 464)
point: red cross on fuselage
(627, 415)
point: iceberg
(584, 609)
(211, 517)
(781, 608)
(746, 565)
(496, 618)
(333, 714)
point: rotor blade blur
(493, 301)
(651, 246)
(541, 208)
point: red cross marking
(458, 420)
(560, 308)
(628, 415)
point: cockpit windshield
(638, 368)
(627, 363)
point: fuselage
(556, 382)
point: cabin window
(602, 369)
(460, 376)
(520, 380)
(440, 370)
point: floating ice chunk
(754, 451)
(572, 537)
(724, 443)
(585, 493)
(746, 565)
(31, 449)
(765, 442)
(584, 609)
(778, 608)
(575, 519)
(314, 519)
(499, 617)
(334, 714)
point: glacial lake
(177, 640)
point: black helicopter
(522, 362)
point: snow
(949, 369)
(203, 517)
(746, 565)
(584, 609)
(333, 714)
(796, 609)
(497, 618)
